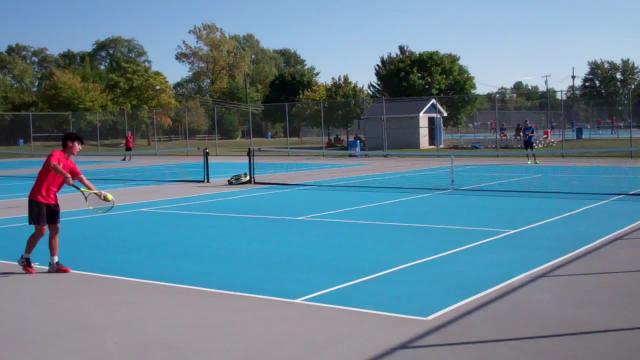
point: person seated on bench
(518, 134)
(337, 140)
(503, 132)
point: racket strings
(96, 203)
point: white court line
(410, 224)
(417, 196)
(557, 175)
(162, 207)
(549, 264)
(435, 168)
(203, 194)
(221, 214)
(226, 292)
(449, 252)
(69, 191)
(327, 220)
(144, 201)
(17, 183)
(15, 194)
(391, 177)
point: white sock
(54, 259)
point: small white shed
(408, 123)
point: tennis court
(17, 176)
(411, 239)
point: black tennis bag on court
(239, 179)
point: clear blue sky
(500, 42)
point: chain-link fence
(570, 123)
(563, 122)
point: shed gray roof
(403, 107)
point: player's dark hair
(73, 137)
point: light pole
(546, 84)
(246, 99)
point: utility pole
(546, 84)
(573, 80)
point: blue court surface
(401, 250)
(33, 163)
(17, 186)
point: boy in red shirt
(44, 211)
(128, 146)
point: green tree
(188, 87)
(262, 67)
(112, 50)
(343, 103)
(65, 91)
(192, 114)
(214, 59)
(136, 87)
(23, 72)
(293, 79)
(428, 73)
(607, 84)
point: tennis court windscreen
(509, 173)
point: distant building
(410, 123)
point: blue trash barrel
(353, 145)
(578, 133)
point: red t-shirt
(128, 141)
(49, 182)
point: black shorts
(43, 214)
(128, 149)
(528, 145)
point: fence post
(564, 121)
(31, 130)
(385, 144)
(250, 127)
(495, 125)
(286, 115)
(215, 125)
(324, 144)
(186, 125)
(631, 123)
(155, 131)
(98, 129)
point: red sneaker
(25, 263)
(58, 268)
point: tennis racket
(98, 201)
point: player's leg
(53, 221)
(54, 240)
(37, 218)
(25, 260)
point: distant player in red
(128, 146)
(44, 210)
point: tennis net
(142, 170)
(510, 173)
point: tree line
(116, 74)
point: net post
(451, 173)
(250, 153)
(205, 159)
